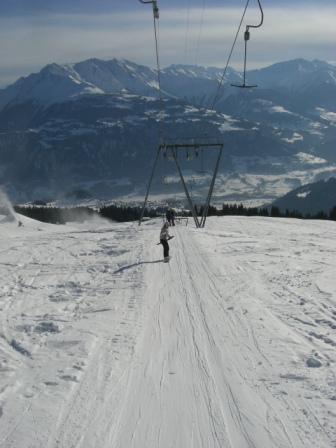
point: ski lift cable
(156, 35)
(157, 54)
(216, 97)
(200, 31)
(186, 38)
(164, 146)
(158, 66)
(261, 19)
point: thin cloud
(30, 43)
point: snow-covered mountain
(296, 75)
(311, 198)
(56, 83)
(291, 91)
(117, 76)
(93, 120)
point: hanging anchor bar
(246, 39)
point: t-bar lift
(246, 39)
(172, 150)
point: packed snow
(230, 344)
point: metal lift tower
(172, 150)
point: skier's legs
(165, 248)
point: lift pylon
(174, 149)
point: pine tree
(275, 212)
(332, 214)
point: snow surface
(310, 158)
(327, 115)
(231, 344)
(280, 110)
(304, 194)
(295, 138)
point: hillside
(231, 344)
(95, 126)
(311, 198)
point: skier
(172, 217)
(164, 237)
(168, 216)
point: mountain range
(95, 125)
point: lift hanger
(246, 39)
(155, 7)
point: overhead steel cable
(198, 42)
(216, 97)
(261, 18)
(158, 67)
(175, 148)
(186, 37)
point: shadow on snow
(124, 268)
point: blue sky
(35, 32)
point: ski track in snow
(103, 345)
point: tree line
(124, 213)
(273, 211)
(62, 215)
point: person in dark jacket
(168, 216)
(172, 217)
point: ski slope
(232, 344)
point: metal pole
(191, 205)
(245, 56)
(149, 184)
(206, 206)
